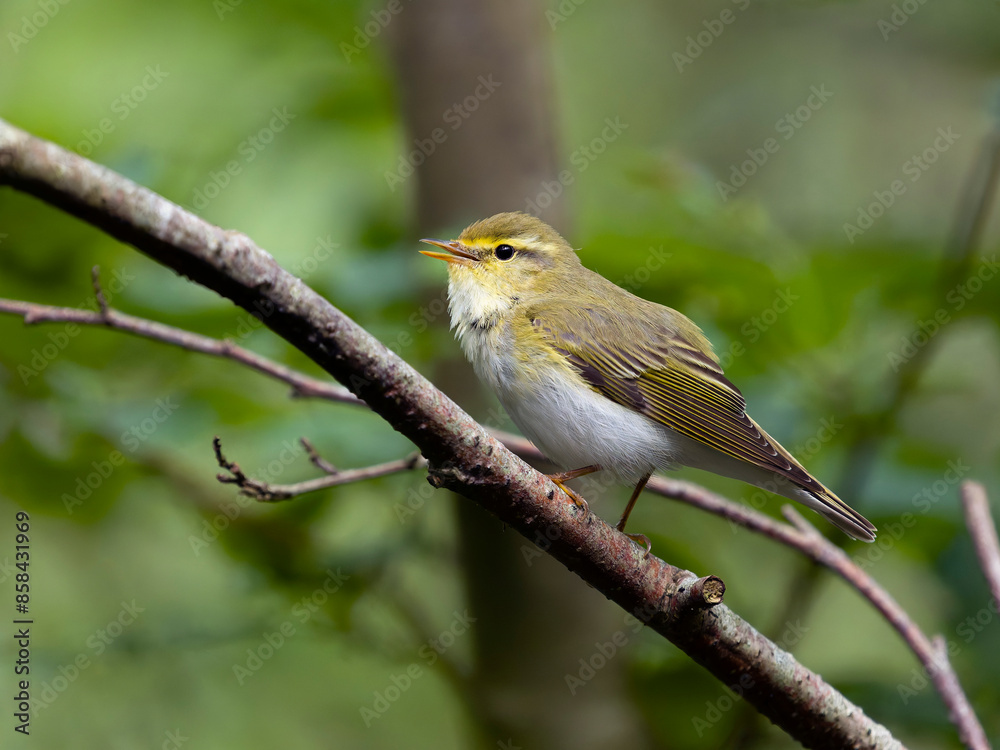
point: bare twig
(302, 385)
(270, 493)
(102, 302)
(979, 519)
(318, 461)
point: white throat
(473, 306)
(479, 318)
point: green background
(180, 89)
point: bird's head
(510, 255)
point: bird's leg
(637, 538)
(631, 503)
(562, 477)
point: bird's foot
(578, 501)
(562, 477)
(642, 540)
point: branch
(302, 386)
(983, 532)
(462, 455)
(274, 492)
(933, 654)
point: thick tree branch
(462, 455)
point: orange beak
(456, 252)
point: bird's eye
(504, 252)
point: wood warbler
(600, 379)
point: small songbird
(601, 380)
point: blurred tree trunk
(484, 99)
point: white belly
(575, 427)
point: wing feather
(672, 379)
(659, 364)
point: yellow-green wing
(669, 374)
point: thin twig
(302, 385)
(270, 493)
(862, 447)
(318, 461)
(102, 302)
(983, 530)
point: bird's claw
(643, 541)
(573, 495)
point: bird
(600, 379)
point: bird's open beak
(457, 252)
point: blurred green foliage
(252, 114)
